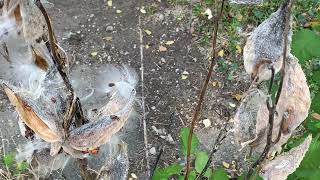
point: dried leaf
(169, 42)
(94, 54)
(162, 48)
(225, 164)
(214, 83)
(316, 116)
(237, 96)
(148, 32)
(109, 3)
(239, 49)
(221, 53)
(184, 77)
(108, 38)
(39, 61)
(142, 10)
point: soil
(172, 78)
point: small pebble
(153, 151)
(109, 28)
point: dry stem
(272, 108)
(203, 90)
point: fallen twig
(203, 90)
(157, 161)
(145, 135)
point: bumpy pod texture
(250, 121)
(265, 45)
(285, 164)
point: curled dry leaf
(285, 164)
(265, 46)
(250, 121)
(40, 61)
(316, 116)
(294, 101)
(162, 48)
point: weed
(201, 158)
(15, 169)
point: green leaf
(315, 105)
(208, 173)
(192, 175)
(165, 173)
(9, 159)
(254, 176)
(184, 135)
(306, 45)
(201, 161)
(220, 174)
(22, 166)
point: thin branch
(157, 161)
(145, 133)
(217, 143)
(203, 90)
(272, 108)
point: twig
(157, 161)
(272, 108)
(203, 90)
(145, 135)
(217, 143)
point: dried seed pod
(251, 119)
(285, 164)
(265, 45)
(43, 164)
(94, 134)
(31, 118)
(110, 118)
(102, 84)
(117, 165)
(294, 101)
(34, 26)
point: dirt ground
(172, 77)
